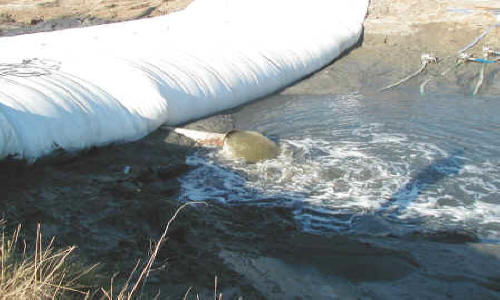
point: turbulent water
(349, 163)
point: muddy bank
(396, 34)
(112, 201)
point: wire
(480, 37)
(29, 68)
(425, 60)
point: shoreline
(89, 201)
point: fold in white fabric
(97, 85)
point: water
(414, 163)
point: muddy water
(426, 164)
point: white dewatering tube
(92, 86)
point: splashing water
(409, 163)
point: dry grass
(47, 273)
(131, 288)
(43, 274)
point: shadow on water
(422, 181)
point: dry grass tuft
(48, 274)
(44, 274)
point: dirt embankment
(397, 33)
(111, 215)
(23, 16)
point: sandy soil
(396, 35)
(29, 15)
(87, 199)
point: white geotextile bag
(91, 86)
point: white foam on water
(330, 184)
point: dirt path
(111, 215)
